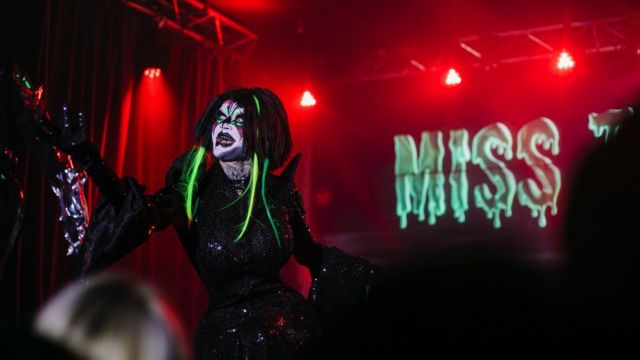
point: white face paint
(227, 132)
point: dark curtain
(92, 56)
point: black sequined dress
(251, 313)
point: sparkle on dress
(251, 313)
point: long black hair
(267, 142)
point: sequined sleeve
(340, 282)
(115, 230)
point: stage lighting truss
(199, 21)
(584, 37)
(495, 49)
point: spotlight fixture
(152, 73)
(307, 99)
(452, 78)
(565, 62)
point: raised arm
(118, 227)
(125, 217)
(67, 135)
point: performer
(238, 223)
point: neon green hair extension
(265, 169)
(236, 200)
(255, 99)
(189, 177)
(253, 182)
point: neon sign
(420, 179)
(494, 137)
(543, 132)
(607, 123)
(460, 155)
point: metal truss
(586, 37)
(494, 49)
(388, 65)
(199, 21)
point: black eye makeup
(238, 122)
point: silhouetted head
(111, 317)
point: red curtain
(90, 58)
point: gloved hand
(69, 137)
(36, 120)
(72, 133)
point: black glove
(69, 137)
(35, 118)
(71, 134)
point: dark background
(92, 54)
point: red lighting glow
(152, 73)
(323, 197)
(565, 62)
(151, 107)
(453, 78)
(307, 99)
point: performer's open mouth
(224, 140)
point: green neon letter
(542, 132)
(430, 170)
(607, 123)
(460, 155)
(495, 136)
(405, 169)
(419, 180)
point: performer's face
(227, 132)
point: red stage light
(152, 73)
(323, 197)
(307, 99)
(453, 78)
(565, 62)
